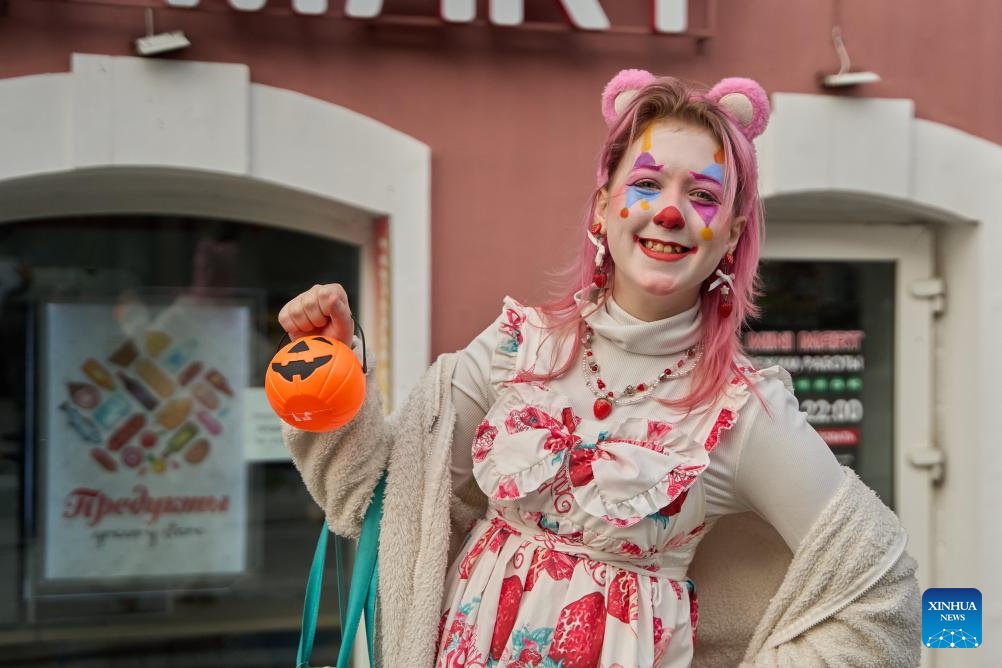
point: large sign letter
(507, 12)
(248, 5)
(671, 16)
(459, 11)
(502, 12)
(585, 14)
(311, 7)
(363, 9)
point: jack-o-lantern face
(315, 384)
(300, 360)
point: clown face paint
(713, 174)
(665, 196)
(708, 207)
(634, 194)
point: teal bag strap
(364, 579)
(362, 594)
(311, 606)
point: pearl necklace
(631, 394)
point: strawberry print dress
(581, 559)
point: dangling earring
(725, 281)
(600, 277)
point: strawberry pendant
(602, 408)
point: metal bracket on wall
(931, 458)
(933, 289)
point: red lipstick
(662, 256)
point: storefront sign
(668, 16)
(143, 462)
(840, 436)
(827, 367)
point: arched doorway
(838, 172)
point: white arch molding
(160, 129)
(131, 135)
(839, 159)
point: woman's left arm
(785, 472)
(850, 596)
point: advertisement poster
(142, 450)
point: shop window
(134, 528)
(831, 325)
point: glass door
(831, 325)
(840, 313)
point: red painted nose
(670, 218)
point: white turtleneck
(771, 462)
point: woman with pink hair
(549, 485)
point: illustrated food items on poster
(178, 356)
(154, 377)
(125, 433)
(114, 408)
(104, 460)
(149, 406)
(174, 413)
(217, 381)
(205, 395)
(210, 423)
(98, 374)
(125, 354)
(84, 395)
(156, 342)
(139, 392)
(83, 426)
(198, 451)
(132, 456)
(189, 373)
(180, 438)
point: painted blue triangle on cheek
(634, 195)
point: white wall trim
(199, 138)
(870, 160)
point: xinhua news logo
(951, 618)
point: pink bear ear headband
(742, 99)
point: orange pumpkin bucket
(315, 384)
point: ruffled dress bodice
(582, 558)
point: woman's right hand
(320, 311)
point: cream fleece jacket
(848, 597)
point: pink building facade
(435, 162)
